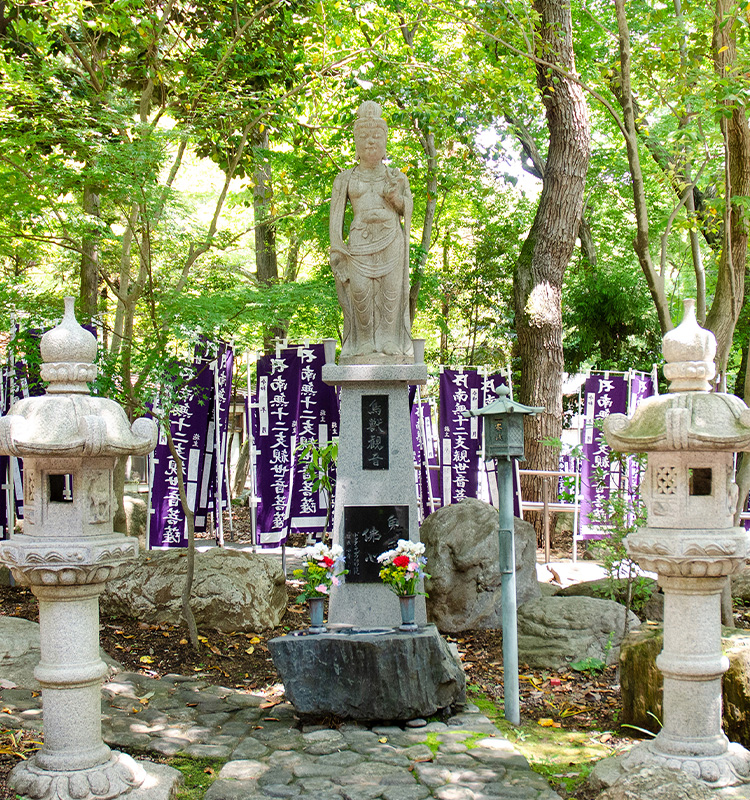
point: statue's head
(370, 131)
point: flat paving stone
(208, 751)
(405, 792)
(271, 753)
(250, 748)
(230, 790)
(281, 790)
(276, 777)
(244, 770)
(318, 786)
(168, 747)
(362, 792)
(326, 748)
(342, 760)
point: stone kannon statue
(372, 266)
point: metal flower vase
(407, 603)
(315, 605)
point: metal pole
(504, 467)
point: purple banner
(318, 424)
(460, 441)
(189, 427)
(278, 412)
(21, 378)
(417, 449)
(641, 387)
(426, 450)
(221, 360)
(603, 395)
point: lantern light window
(61, 488)
(700, 481)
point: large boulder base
(369, 676)
(641, 681)
(465, 587)
(554, 631)
(20, 652)
(232, 590)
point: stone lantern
(690, 435)
(69, 441)
(504, 441)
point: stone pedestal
(376, 501)
(692, 664)
(369, 675)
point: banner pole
(423, 455)
(219, 516)
(252, 499)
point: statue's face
(370, 144)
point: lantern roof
(504, 404)
(68, 420)
(690, 417)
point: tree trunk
(427, 140)
(641, 243)
(539, 271)
(89, 293)
(730, 285)
(266, 263)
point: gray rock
(741, 585)
(136, 513)
(233, 590)
(657, 783)
(394, 676)
(553, 631)
(461, 546)
(19, 652)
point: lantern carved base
(119, 777)
(115, 777)
(731, 768)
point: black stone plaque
(368, 532)
(375, 431)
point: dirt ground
(567, 700)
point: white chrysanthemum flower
(337, 552)
(383, 557)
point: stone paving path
(271, 754)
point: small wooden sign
(368, 532)
(375, 431)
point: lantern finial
(68, 355)
(689, 351)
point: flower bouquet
(321, 569)
(403, 568)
